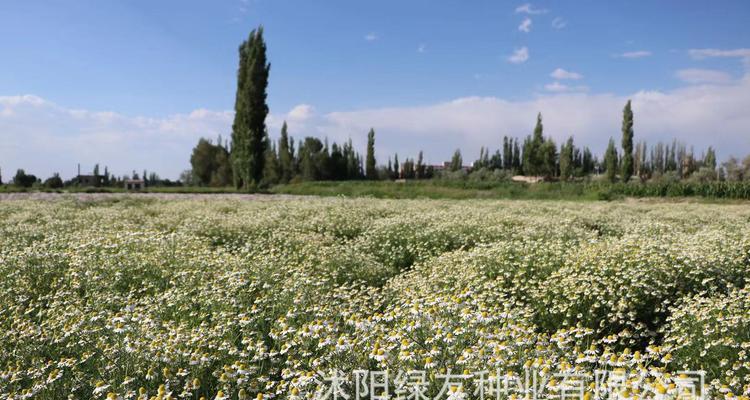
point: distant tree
(456, 161)
(286, 158)
(337, 163)
(222, 174)
(396, 166)
(203, 161)
(370, 170)
(153, 178)
(640, 165)
(746, 167)
(627, 142)
(54, 182)
(670, 162)
(588, 163)
(420, 169)
(211, 164)
(1, 177)
(24, 180)
(323, 162)
(271, 165)
(496, 161)
(547, 154)
(507, 153)
(516, 165)
(249, 127)
(96, 169)
(353, 162)
(187, 177)
(533, 152)
(709, 160)
(408, 172)
(566, 160)
(610, 161)
(733, 171)
(311, 152)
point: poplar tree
(627, 142)
(285, 156)
(249, 126)
(396, 166)
(516, 165)
(456, 161)
(370, 170)
(507, 153)
(566, 160)
(610, 161)
(710, 159)
(420, 170)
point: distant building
(134, 184)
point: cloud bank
(44, 137)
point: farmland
(125, 298)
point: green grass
(467, 189)
(440, 189)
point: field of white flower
(225, 299)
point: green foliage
(566, 160)
(627, 143)
(54, 182)
(249, 127)
(611, 161)
(370, 171)
(457, 162)
(24, 180)
(211, 164)
(286, 157)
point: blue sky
(432, 75)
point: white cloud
(696, 75)
(559, 23)
(525, 25)
(556, 87)
(301, 112)
(635, 54)
(519, 56)
(560, 73)
(700, 54)
(422, 48)
(698, 115)
(371, 37)
(527, 8)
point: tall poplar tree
(396, 166)
(286, 162)
(370, 170)
(566, 160)
(627, 142)
(610, 161)
(249, 127)
(420, 171)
